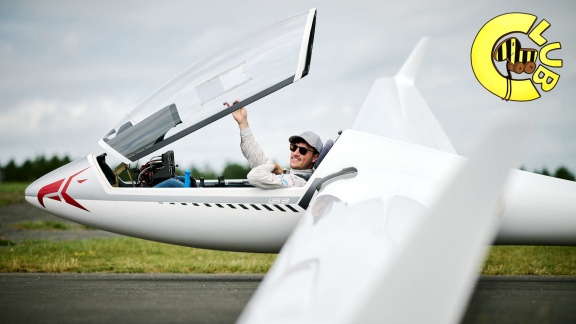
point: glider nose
(31, 192)
(39, 190)
(60, 185)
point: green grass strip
(44, 225)
(125, 255)
(531, 260)
(131, 255)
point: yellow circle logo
(508, 69)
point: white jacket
(261, 175)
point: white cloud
(51, 126)
(72, 41)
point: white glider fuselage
(534, 209)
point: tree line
(562, 173)
(231, 171)
(31, 170)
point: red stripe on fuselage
(48, 189)
(54, 188)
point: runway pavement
(123, 298)
(523, 299)
(174, 298)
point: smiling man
(266, 174)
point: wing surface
(383, 245)
(395, 108)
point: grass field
(531, 260)
(49, 225)
(125, 255)
(131, 255)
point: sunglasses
(303, 150)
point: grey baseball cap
(309, 137)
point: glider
(391, 219)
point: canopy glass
(246, 69)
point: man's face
(299, 161)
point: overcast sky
(70, 70)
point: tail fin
(394, 108)
(409, 70)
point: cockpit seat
(109, 173)
(325, 150)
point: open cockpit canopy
(246, 70)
